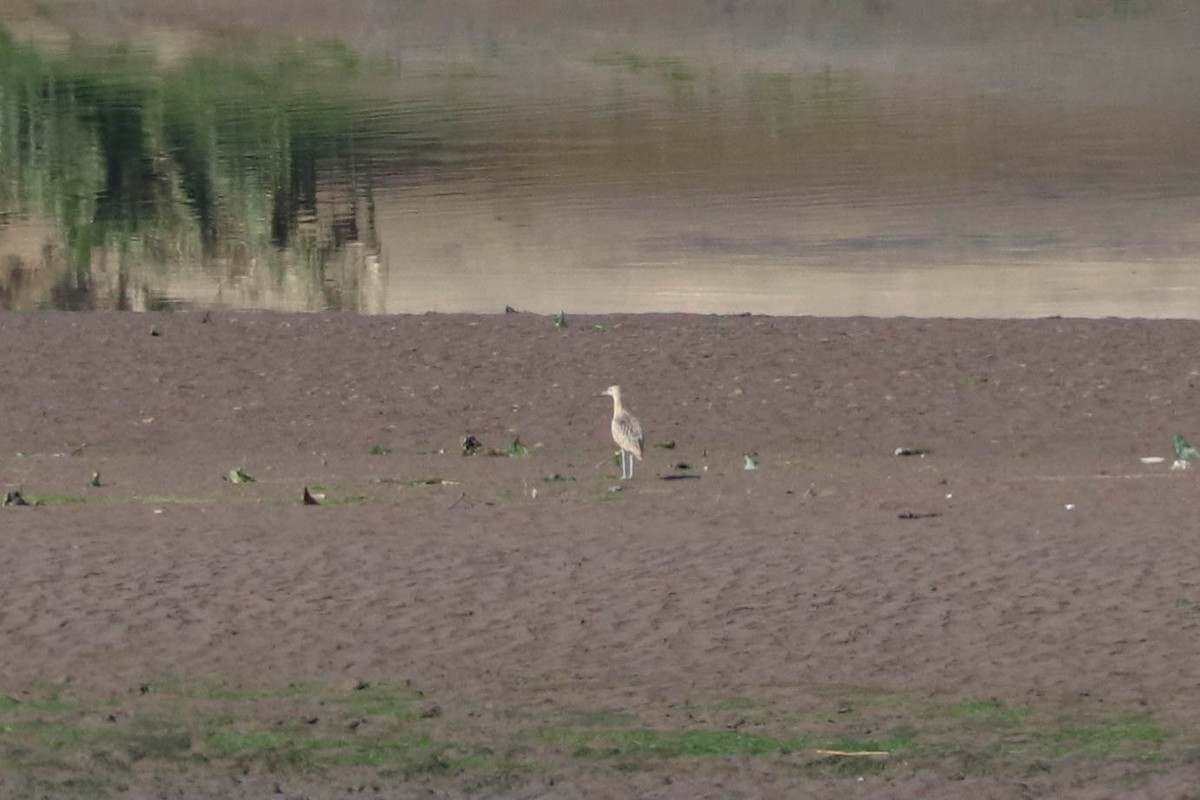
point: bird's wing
(628, 433)
(638, 434)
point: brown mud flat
(1012, 614)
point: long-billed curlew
(626, 431)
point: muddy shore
(1026, 556)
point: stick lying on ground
(879, 754)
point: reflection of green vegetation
(828, 90)
(214, 162)
(667, 67)
(819, 105)
(1110, 10)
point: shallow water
(1024, 168)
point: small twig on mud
(855, 754)
(457, 500)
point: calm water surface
(1053, 169)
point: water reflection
(250, 184)
(1033, 175)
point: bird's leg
(631, 466)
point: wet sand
(1029, 556)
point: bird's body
(627, 433)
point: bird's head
(612, 391)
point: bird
(626, 431)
